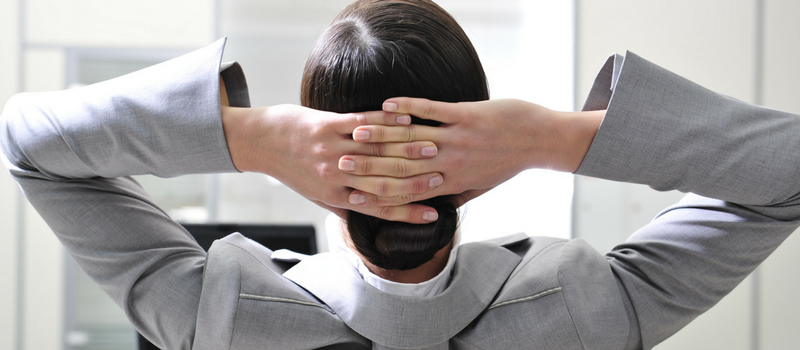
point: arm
(664, 131)
(72, 151)
(667, 132)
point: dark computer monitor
(298, 238)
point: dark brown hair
(378, 49)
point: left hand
(302, 147)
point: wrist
(240, 126)
(574, 133)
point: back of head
(378, 49)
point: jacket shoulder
(561, 295)
(246, 303)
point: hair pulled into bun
(379, 49)
(393, 245)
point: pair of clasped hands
(377, 163)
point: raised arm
(72, 153)
(657, 129)
(667, 132)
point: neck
(419, 274)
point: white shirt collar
(429, 288)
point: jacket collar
(403, 321)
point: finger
(361, 198)
(345, 123)
(381, 166)
(411, 213)
(426, 109)
(409, 150)
(378, 133)
(390, 187)
(370, 200)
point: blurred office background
(542, 51)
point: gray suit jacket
(73, 151)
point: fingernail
(428, 151)
(358, 198)
(435, 181)
(390, 106)
(430, 216)
(404, 120)
(361, 135)
(347, 165)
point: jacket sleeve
(72, 153)
(740, 161)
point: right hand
(480, 144)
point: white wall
(713, 43)
(51, 28)
(780, 311)
(120, 23)
(43, 262)
(520, 42)
(9, 192)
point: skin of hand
(301, 148)
(480, 145)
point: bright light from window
(527, 50)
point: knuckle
(410, 135)
(367, 167)
(382, 189)
(378, 149)
(419, 186)
(325, 172)
(403, 199)
(401, 169)
(410, 151)
(380, 134)
(322, 149)
(386, 213)
(430, 110)
(361, 119)
(320, 129)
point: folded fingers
(384, 186)
(382, 133)
(345, 123)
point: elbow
(9, 142)
(17, 134)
